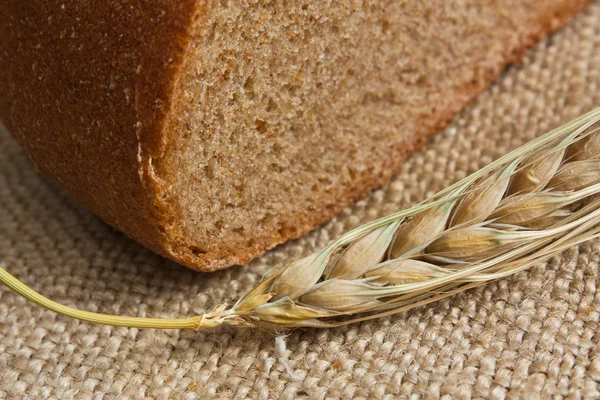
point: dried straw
(518, 211)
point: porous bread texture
(287, 111)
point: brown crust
(86, 118)
(106, 104)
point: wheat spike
(518, 211)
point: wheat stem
(20, 288)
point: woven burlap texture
(532, 335)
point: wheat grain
(420, 230)
(357, 259)
(404, 271)
(522, 209)
(518, 211)
(587, 149)
(576, 175)
(537, 172)
(478, 204)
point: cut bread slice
(211, 132)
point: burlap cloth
(532, 335)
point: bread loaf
(211, 131)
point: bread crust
(85, 89)
(89, 90)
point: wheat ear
(514, 213)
